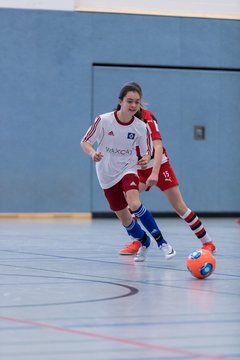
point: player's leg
(133, 247)
(146, 218)
(175, 198)
(135, 231)
(118, 204)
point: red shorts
(116, 194)
(166, 177)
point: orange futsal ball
(201, 263)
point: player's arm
(147, 149)
(158, 152)
(89, 150)
(90, 138)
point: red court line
(114, 339)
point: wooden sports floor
(66, 294)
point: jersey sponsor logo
(131, 136)
(118, 151)
(111, 133)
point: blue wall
(53, 83)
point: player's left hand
(152, 180)
(144, 161)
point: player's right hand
(96, 156)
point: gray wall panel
(46, 101)
(182, 99)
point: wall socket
(199, 132)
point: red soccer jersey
(148, 117)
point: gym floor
(67, 294)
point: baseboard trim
(81, 215)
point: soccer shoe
(142, 252)
(131, 249)
(167, 250)
(209, 246)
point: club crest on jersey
(131, 136)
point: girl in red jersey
(117, 135)
(159, 172)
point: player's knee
(134, 205)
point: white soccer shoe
(167, 250)
(142, 252)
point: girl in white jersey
(117, 135)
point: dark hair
(131, 86)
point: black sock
(145, 241)
(160, 240)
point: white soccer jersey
(117, 142)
